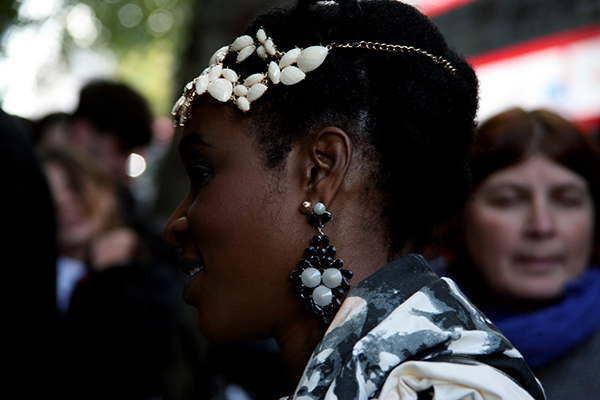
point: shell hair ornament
(287, 68)
(320, 278)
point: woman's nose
(541, 221)
(176, 230)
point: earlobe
(329, 153)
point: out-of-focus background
(529, 53)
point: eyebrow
(526, 187)
(191, 140)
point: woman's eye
(505, 201)
(199, 174)
(566, 200)
(570, 197)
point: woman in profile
(525, 249)
(322, 146)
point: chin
(213, 333)
(538, 291)
(224, 331)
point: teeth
(190, 266)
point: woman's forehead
(211, 123)
(536, 170)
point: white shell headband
(225, 85)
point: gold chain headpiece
(225, 85)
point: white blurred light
(82, 25)
(136, 165)
(162, 3)
(564, 78)
(130, 15)
(160, 21)
(39, 9)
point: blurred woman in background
(524, 249)
(86, 207)
(118, 317)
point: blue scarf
(546, 334)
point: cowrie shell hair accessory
(287, 68)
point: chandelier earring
(320, 279)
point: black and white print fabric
(395, 334)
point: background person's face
(530, 229)
(79, 217)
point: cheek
(220, 225)
(578, 233)
(246, 252)
(490, 238)
(238, 236)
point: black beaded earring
(320, 279)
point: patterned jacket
(405, 333)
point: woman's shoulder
(422, 319)
(450, 379)
(574, 375)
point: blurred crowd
(108, 285)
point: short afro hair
(116, 109)
(410, 115)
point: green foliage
(144, 35)
(118, 24)
(7, 14)
(127, 24)
(150, 71)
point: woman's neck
(74, 252)
(297, 344)
(520, 306)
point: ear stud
(305, 207)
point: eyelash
(567, 200)
(199, 174)
(504, 201)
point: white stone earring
(320, 279)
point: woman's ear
(327, 160)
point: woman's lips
(538, 263)
(191, 267)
